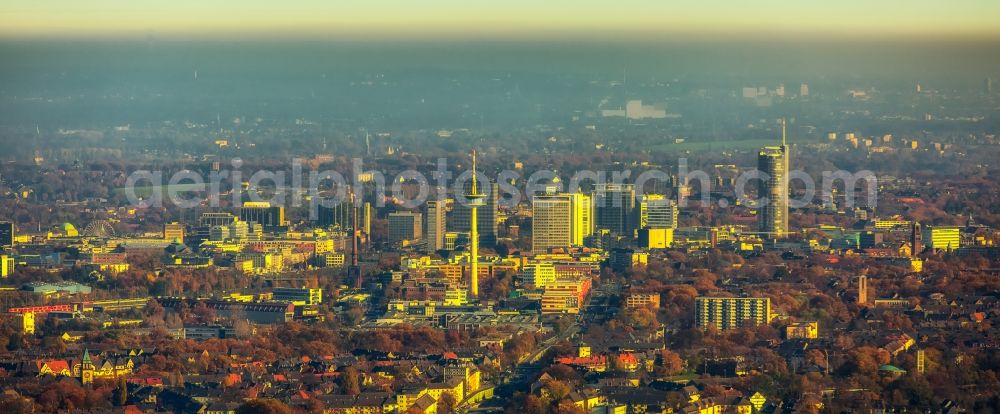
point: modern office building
(216, 219)
(565, 296)
(551, 224)
(560, 220)
(772, 216)
(650, 238)
(340, 215)
(732, 313)
(656, 211)
(237, 230)
(640, 300)
(436, 217)
(613, 208)
(583, 217)
(297, 296)
(538, 274)
(405, 227)
(263, 212)
(6, 234)
(942, 238)
(173, 231)
(6, 266)
(888, 224)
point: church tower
(86, 368)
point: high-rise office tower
(988, 86)
(475, 201)
(6, 234)
(656, 211)
(342, 215)
(551, 222)
(613, 208)
(354, 269)
(560, 220)
(339, 214)
(405, 226)
(582, 208)
(773, 215)
(486, 214)
(263, 212)
(435, 225)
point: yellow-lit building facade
(638, 300)
(943, 238)
(6, 266)
(802, 330)
(560, 220)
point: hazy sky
(510, 18)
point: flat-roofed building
(732, 313)
(211, 219)
(802, 330)
(263, 213)
(6, 266)
(538, 274)
(436, 227)
(614, 206)
(637, 300)
(298, 296)
(565, 296)
(560, 220)
(655, 238)
(173, 231)
(256, 312)
(405, 227)
(943, 238)
(6, 234)
(656, 211)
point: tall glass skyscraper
(613, 208)
(773, 215)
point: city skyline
(450, 207)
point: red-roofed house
(54, 367)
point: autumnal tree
(525, 403)
(567, 407)
(16, 404)
(447, 403)
(556, 389)
(670, 363)
(350, 381)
